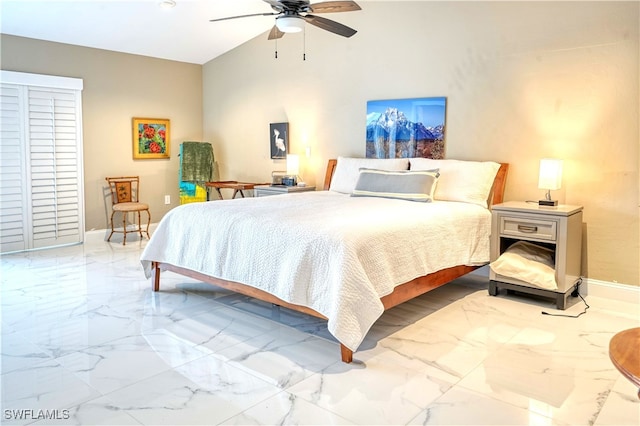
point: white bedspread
(333, 253)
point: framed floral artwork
(151, 138)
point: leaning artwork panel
(406, 128)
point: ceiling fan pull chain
(304, 44)
(276, 48)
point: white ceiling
(141, 27)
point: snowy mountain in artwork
(394, 125)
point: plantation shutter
(54, 168)
(42, 174)
(13, 197)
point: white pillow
(528, 262)
(348, 170)
(466, 181)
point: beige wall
(523, 81)
(118, 87)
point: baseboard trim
(609, 290)
(598, 288)
(96, 235)
(616, 291)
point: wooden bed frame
(401, 293)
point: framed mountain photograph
(406, 128)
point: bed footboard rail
(345, 353)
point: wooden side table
(238, 187)
(624, 351)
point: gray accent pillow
(404, 185)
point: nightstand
(558, 228)
(266, 190)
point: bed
(345, 254)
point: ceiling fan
(292, 14)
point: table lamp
(293, 168)
(550, 179)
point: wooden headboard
(496, 196)
(331, 167)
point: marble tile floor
(86, 341)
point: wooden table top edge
(624, 352)
(233, 184)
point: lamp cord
(575, 292)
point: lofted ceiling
(182, 33)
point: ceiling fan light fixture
(290, 24)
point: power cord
(574, 293)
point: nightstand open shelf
(557, 228)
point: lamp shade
(293, 164)
(550, 174)
(290, 24)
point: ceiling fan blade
(242, 16)
(329, 25)
(334, 6)
(275, 33)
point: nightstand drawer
(267, 190)
(528, 228)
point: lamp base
(290, 180)
(548, 203)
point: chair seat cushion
(130, 207)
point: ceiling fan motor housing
(297, 6)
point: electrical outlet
(167, 199)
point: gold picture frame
(151, 138)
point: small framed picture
(279, 139)
(151, 138)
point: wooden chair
(125, 193)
